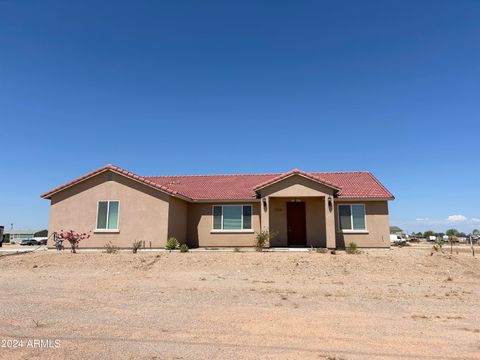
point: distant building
(41, 234)
(395, 230)
(14, 236)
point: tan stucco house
(319, 209)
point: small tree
(438, 245)
(428, 233)
(452, 236)
(476, 232)
(73, 238)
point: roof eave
(286, 176)
(119, 171)
(382, 198)
(253, 199)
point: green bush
(183, 248)
(351, 248)
(263, 239)
(438, 245)
(172, 244)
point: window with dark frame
(351, 217)
(232, 217)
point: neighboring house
(303, 209)
(41, 234)
(395, 230)
(15, 236)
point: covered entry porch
(298, 221)
(299, 209)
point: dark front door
(296, 224)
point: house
(395, 230)
(397, 234)
(15, 236)
(319, 209)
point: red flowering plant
(73, 238)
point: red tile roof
(113, 168)
(350, 185)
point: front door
(296, 224)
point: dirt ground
(381, 304)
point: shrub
(351, 248)
(171, 244)
(136, 245)
(400, 243)
(440, 242)
(321, 250)
(263, 239)
(184, 248)
(438, 246)
(236, 249)
(110, 248)
(73, 238)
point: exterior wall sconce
(330, 202)
(264, 202)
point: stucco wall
(200, 227)
(315, 220)
(151, 216)
(378, 234)
(296, 185)
(143, 211)
(178, 219)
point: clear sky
(194, 87)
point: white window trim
(108, 231)
(117, 230)
(246, 231)
(352, 231)
(232, 231)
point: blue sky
(190, 87)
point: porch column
(264, 213)
(330, 224)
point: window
(232, 217)
(107, 215)
(351, 217)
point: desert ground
(400, 303)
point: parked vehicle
(29, 242)
(394, 238)
(42, 242)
